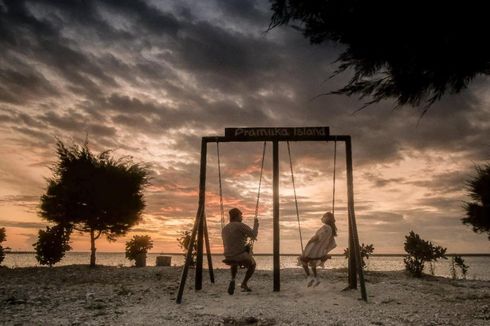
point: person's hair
(234, 214)
(333, 226)
(330, 222)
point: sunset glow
(149, 83)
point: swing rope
(295, 198)
(260, 181)
(222, 208)
(252, 241)
(294, 188)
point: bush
(52, 244)
(3, 237)
(457, 262)
(137, 248)
(184, 241)
(366, 251)
(419, 252)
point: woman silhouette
(317, 249)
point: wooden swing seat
(231, 263)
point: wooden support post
(188, 257)
(352, 258)
(352, 218)
(200, 250)
(208, 251)
(275, 222)
(199, 215)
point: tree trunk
(92, 248)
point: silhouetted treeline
(413, 51)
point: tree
(3, 237)
(419, 252)
(412, 51)
(52, 244)
(478, 211)
(94, 193)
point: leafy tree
(419, 252)
(478, 211)
(52, 244)
(365, 250)
(96, 194)
(413, 51)
(184, 241)
(3, 237)
(138, 246)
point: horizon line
(255, 254)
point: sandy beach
(78, 295)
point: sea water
(479, 266)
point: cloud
(149, 79)
(23, 225)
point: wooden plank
(224, 139)
(275, 222)
(268, 133)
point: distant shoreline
(255, 254)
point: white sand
(78, 295)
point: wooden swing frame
(274, 135)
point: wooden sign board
(277, 133)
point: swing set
(274, 135)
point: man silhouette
(236, 251)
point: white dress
(315, 253)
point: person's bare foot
(245, 288)
(316, 282)
(310, 281)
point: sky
(148, 79)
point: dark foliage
(139, 244)
(3, 237)
(365, 250)
(52, 244)
(478, 211)
(457, 262)
(419, 252)
(94, 193)
(413, 51)
(184, 241)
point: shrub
(3, 237)
(457, 262)
(184, 241)
(138, 246)
(366, 251)
(419, 252)
(52, 244)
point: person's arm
(251, 233)
(324, 233)
(314, 238)
(255, 229)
